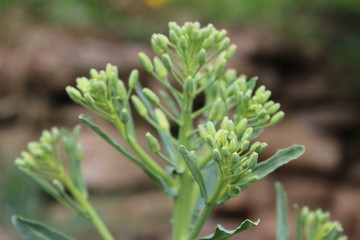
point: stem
(207, 209)
(184, 203)
(84, 203)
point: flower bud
(183, 43)
(139, 106)
(224, 44)
(265, 96)
(74, 94)
(218, 110)
(202, 132)
(89, 100)
(121, 90)
(98, 89)
(260, 91)
(225, 152)
(233, 145)
(201, 57)
(162, 119)
(277, 118)
(230, 52)
(167, 62)
(269, 104)
(216, 155)
(220, 68)
(173, 36)
(241, 126)
(151, 96)
(235, 158)
(189, 86)
(210, 128)
(274, 108)
(152, 143)
(244, 146)
(146, 62)
(247, 134)
(210, 141)
(160, 68)
(133, 78)
(94, 74)
(124, 116)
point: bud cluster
(103, 92)
(231, 149)
(248, 103)
(317, 225)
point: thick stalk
(207, 209)
(184, 202)
(94, 217)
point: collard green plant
(214, 156)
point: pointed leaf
(31, 230)
(280, 158)
(251, 83)
(170, 191)
(222, 234)
(194, 169)
(282, 213)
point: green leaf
(154, 176)
(223, 234)
(251, 83)
(194, 169)
(298, 223)
(280, 158)
(31, 230)
(282, 213)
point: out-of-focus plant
(310, 225)
(207, 164)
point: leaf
(282, 213)
(194, 169)
(31, 230)
(280, 158)
(170, 191)
(223, 234)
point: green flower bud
(151, 96)
(255, 147)
(230, 52)
(58, 185)
(210, 141)
(233, 145)
(202, 132)
(225, 152)
(218, 110)
(89, 100)
(220, 35)
(55, 133)
(224, 123)
(167, 62)
(210, 128)
(146, 62)
(269, 104)
(162, 119)
(234, 191)
(124, 116)
(274, 108)
(160, 68)
(260, 91)
(244, 146)
(173, 36)
(156, 46)
(74, 94)
(139, 106)
(277, 118)
(235, 158)
(98, 89)
(216, 155)
(183, 43)
(247, 134)
(189, 86)
(265, 96)
(175, 27)
(83, 84)
(241, 126)
(121, 90)
(94, 74)
(201, 57)
(152, 143)
(133, 78)
(220, 68)
(224, 44)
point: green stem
(207, 209)
(184, 203)
(84, 203)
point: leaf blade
(31, 230)
(282, 213)
(223, 234)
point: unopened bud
(139, 106)
(230, 52)
(202, 132)
(183, 43)
(244, 146)
(160, 68)
(133, 78)
(224, 44)
(241, 126)
(152, 143)
(98, 89)
(94, 74)
(235, 158)
(260, 90)
(189, 86)
(218, 110)
(151, 96)
(146, 62)
(225, 152)
(162, 119)
(210, 141)
(210, 128)
(201, 58)
(74, 94)
(124, 116)
(216, 155)
(167, 62)
(277, 118)
(220, 68)
(274, 108)
(247, 134)
(173, 36)
(121, 90)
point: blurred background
(307, 52)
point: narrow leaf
(31, 230)
(282, 213)
(170, 191)
(194, 169)
(280, 158)
(223, 234)
(251, 83)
